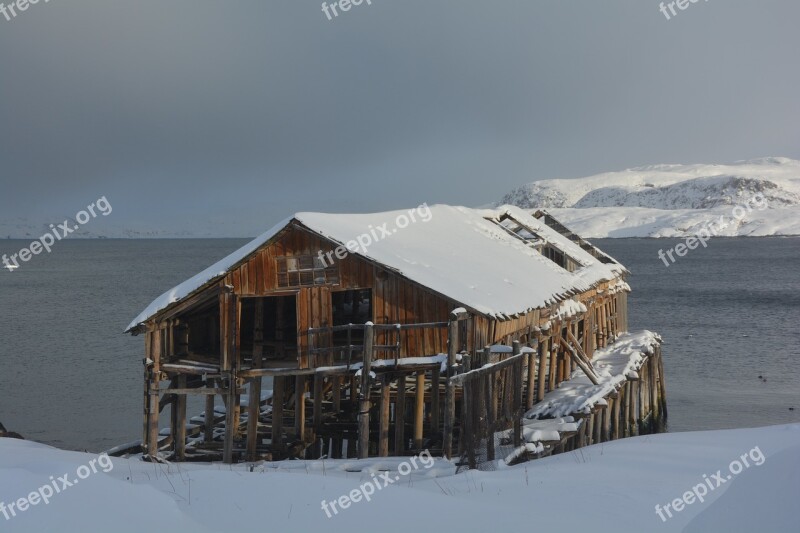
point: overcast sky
(242, 112)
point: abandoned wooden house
(444, 328)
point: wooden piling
(179, 426)
(544, 361)
(400, 416)
(278, 391)
(383, 437)
(154, 409)
(450, 391)
(364, 405)
(419, 410)
(254, 403)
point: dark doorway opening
(351, 307)
(279, 326)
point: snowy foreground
(608, 487)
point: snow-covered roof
(464, 254)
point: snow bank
(608, 487)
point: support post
(491, 415)
(254, 402)
(154, 407)
(278, 388)
(530, 389)
(208, 418)
(383, 437)
(363, 411)
(419, 410)
(450, 391)
(300, 408)
(400, 416)
(228, 339)
(179, 427)
(544, 361)
(517, 384)
(435, 374)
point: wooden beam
(577, 345)
(364, 405)
(531, 381)
(319, 382)
(419, 410)
(227, 349)
(180, 422)
(155, 373)
(435, 416)
(278, 391)
(586, 370)
(544, 361)
(383, 437)
(208, 419)
(254, 403)
(517, 405)
(450, 391)
(400, 416)
(491, 415)
(300, 408)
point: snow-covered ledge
(614, 365)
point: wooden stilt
(530, 389)
(278, 391)
(336, 388)
(179, 427)
(383, 438)
(419, 410)
(544, 361)
(450, 391)
(491, 415)
(254, 392)
(300, 408)
(435, 402)
(516, 411)
(400, 416)
(364, 404)
(554, 366)
(626, 428)
(208, 417)
(319, 381)
(155, 374)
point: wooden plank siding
(395, 299)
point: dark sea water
(69, 377)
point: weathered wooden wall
(395, 299)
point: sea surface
(69, 377)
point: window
(305, 271)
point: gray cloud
(191, 110)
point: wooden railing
(324, 351)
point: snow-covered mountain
(674, 200)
